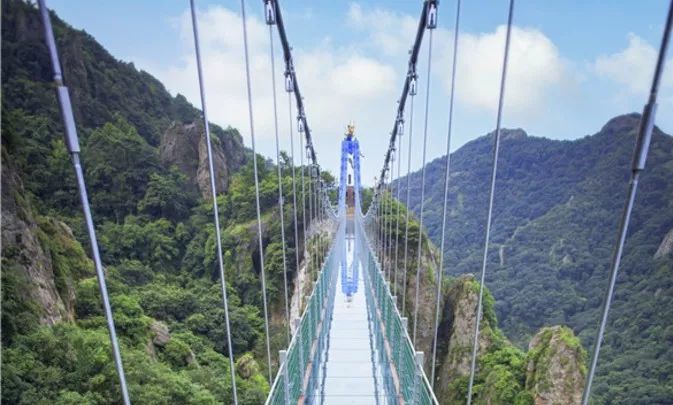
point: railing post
(417, 377)
(286, 378)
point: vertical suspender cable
(294, 201)
(447, 173)
(213, 190)
(638, 165)
(254, 163)
(281, 209)
(397, 216)
(420, 225)
(72, 143)
(318, 214)
(303, 203)
(407, 202)
(391, 263)
(496, 149)
(311, 224)
(384, 228)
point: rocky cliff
(550, 372)
(40, 260)
(555, 369)
(184, 146)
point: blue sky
(574, 65)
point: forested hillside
(143, 155)
(557, 207)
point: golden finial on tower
(350, 129)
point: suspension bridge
(353, 342)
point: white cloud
(535, 68)
(389, 32)
(633, 67)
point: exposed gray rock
(555, 371)
(160, 333)
(666, 246)
(25, 257)
(457, 332)
(184, 146)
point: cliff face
(456, 331)
(40, 259)
(551, 372)
(184, 146)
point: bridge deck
(350, 372)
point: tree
(167, 196)
(118, 166)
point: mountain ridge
(555, 219)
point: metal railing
(402, 365)
(310, 338)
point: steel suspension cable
(397, 216)
(440, 271)
(311, 224)
(72, 143)
(638, 165)
(496, 149)
(303, 203)
(281, 203)
(407, 202)
(213, 190)
(420, 225)
(384, 222)
(391, 264)
(294, 202)
(256, 177)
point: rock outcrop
(160, 333)
(456, 332)
(39, 257)
(184, 146)
(666, 246)
(555, 368)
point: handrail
(412, 384)
(292, 381)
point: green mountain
(557, 206)
(143, 155)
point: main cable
(638, 165)
(213, 190)
(440, 271)
(496, 148)
(72, 143)
(254, 163)
(420, 225)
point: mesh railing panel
(309, 336)
(412, 383)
